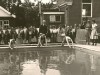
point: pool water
(49, 62)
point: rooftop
(5, 13)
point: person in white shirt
(54, 34)
(11, 44)
(94, 34)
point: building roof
(62, 3)
(5, 13)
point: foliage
(26, 13)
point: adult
(18, 37)
(30, 32)
(43, 30)
(21, 33)
(25, 30)
(94, 36)
(6, 36)
(13, 34)
(34, 34)
(54, 34)
(61, 33)
(48, 36)
(88, 33)
(68, 31)
(0, 36)
(74, 29)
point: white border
(7, 12)
(54, 13)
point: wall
(72, 13)
(96, 12)
(47, 18)
(11, 20)
(75, 13)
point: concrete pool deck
(53, 46)
(89, 47)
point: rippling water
(54, 62)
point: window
(86, 8)
(52, 18)
(55, 18)
(58, 18)
(6, 22)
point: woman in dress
(94, 34)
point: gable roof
(5, 13)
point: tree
(27, 13)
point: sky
(35, 1)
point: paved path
(89, 47)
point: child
(42, 39)
(12, 44)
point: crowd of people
(53, 34)
(31, 34)
(19, 34)
(92, 35)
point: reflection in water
(56, 62)
(93, 63)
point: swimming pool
(44, 61)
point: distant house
(54, 18)
(6, 18)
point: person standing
(61, 33)
(54, 34)
(30, 34)
(0, 36)
(43, 31)
(74, 30)
(34, 34)
(88, 31)
(94, 34)
(25, 30)
(43, 28)
(7, 37)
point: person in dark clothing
(13, 34)
(0, 36)
(43, 31)
(48, 36)
(88, 31)
(35, 33)
(74, 30)
(6, 37)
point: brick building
(78, 10)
